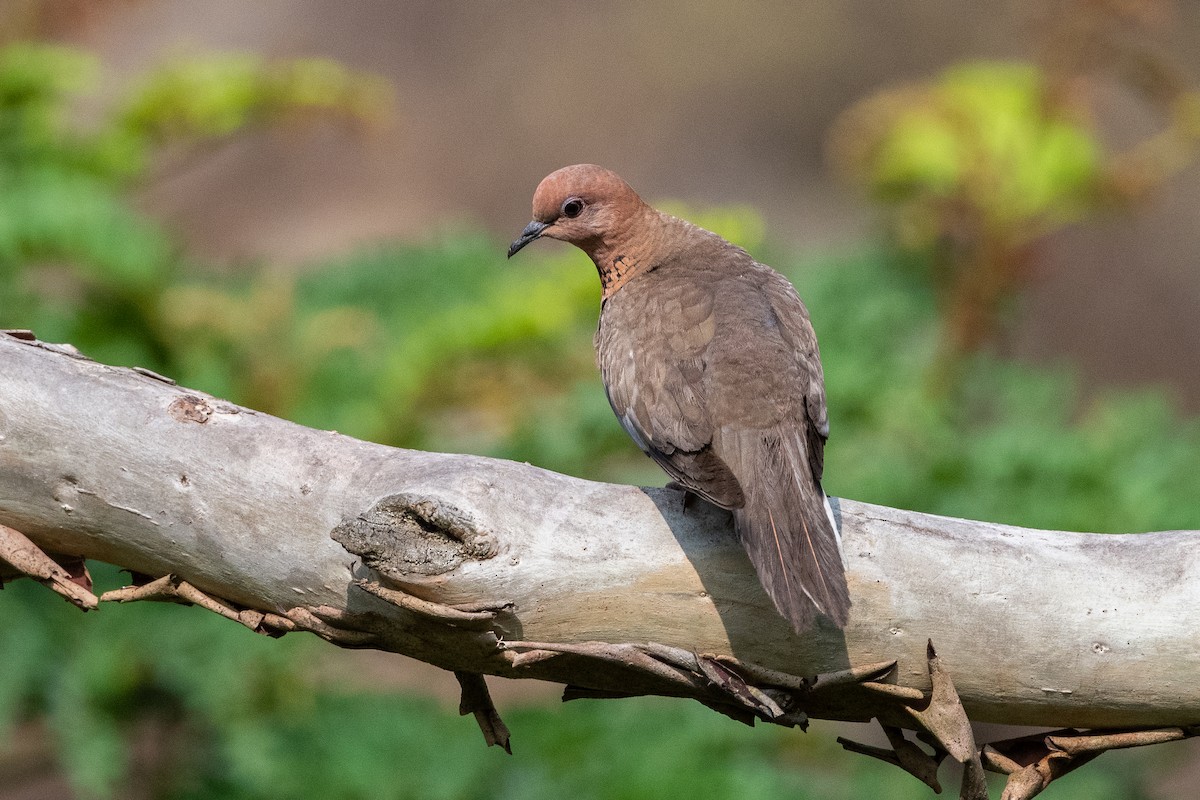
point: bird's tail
(789, 533)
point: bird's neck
(634, 248)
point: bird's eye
(572, 208)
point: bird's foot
(64, 575)
(689, 497)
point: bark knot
(403, 535)
(190, 408)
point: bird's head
(583, 204)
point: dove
(710, 363)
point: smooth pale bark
(1035, 627)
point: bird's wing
(798, 334)
(770, 426)
(720, 382)
(651, 348)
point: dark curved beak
(532, 231)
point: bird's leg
(689, 497)
(64, 575)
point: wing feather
(716, 375)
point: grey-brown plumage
(711, 366)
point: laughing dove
(711, 365)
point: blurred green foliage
(441, 345)
(77, 259)
(973, 168)
(987, 135)
(977, 166)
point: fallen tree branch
(491, 567)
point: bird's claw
(689, 497)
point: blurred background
(990, 210)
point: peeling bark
(486, 566)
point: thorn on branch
(906, 694)
(174, 589)
(480, 617)
(478, 701)
(904, 754)
(527, 658)
(332, 625)
(948, 731)
(1032, 762)
(67, 577)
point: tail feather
(788, 530)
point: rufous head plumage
(582, 204)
